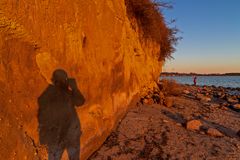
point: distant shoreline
(198, 74)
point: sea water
(224, 81)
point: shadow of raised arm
(77, 97)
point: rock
(148, 101)
(215, 105)
(206, 99)
(214, 132)
(223, 96)
(219, 94)
(161, 97)
(203, 98)
(165, 121)
(236, 106)
(186, 92)
(168, 102)
(179, 124)
(206, 104)
(232, 100)
(224, 108)
(194, 125)
(145, 101)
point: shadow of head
(59, 124)
(60, 78)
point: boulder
(214, 132)
(194, 125)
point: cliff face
(93, 41)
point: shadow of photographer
(59, 125)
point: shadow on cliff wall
(59, 125)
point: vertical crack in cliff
(33, 144)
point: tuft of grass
(148, 15)
(170, 87)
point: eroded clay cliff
(94, 41)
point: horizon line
(199, 73)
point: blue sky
(211, 36)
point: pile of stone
(197, 125)
(156, 94)
(220, 95)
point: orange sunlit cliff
(99, 43)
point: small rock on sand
(214, 105)
(203, 98)
(148, 101)
(168, 102)
(194, 125)
(237, 106)
(165, 121)
(231, 100)
(186, 92)
(145, 101)
(214, 132)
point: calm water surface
(225, 81)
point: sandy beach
(178, 122)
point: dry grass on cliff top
(150, 19)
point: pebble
(231, 100)
(236, 106)
(168, 102)
(214, 132)
(203, 98)
(194, 125)
(165, 121)
(186, 92)
(179, 124)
